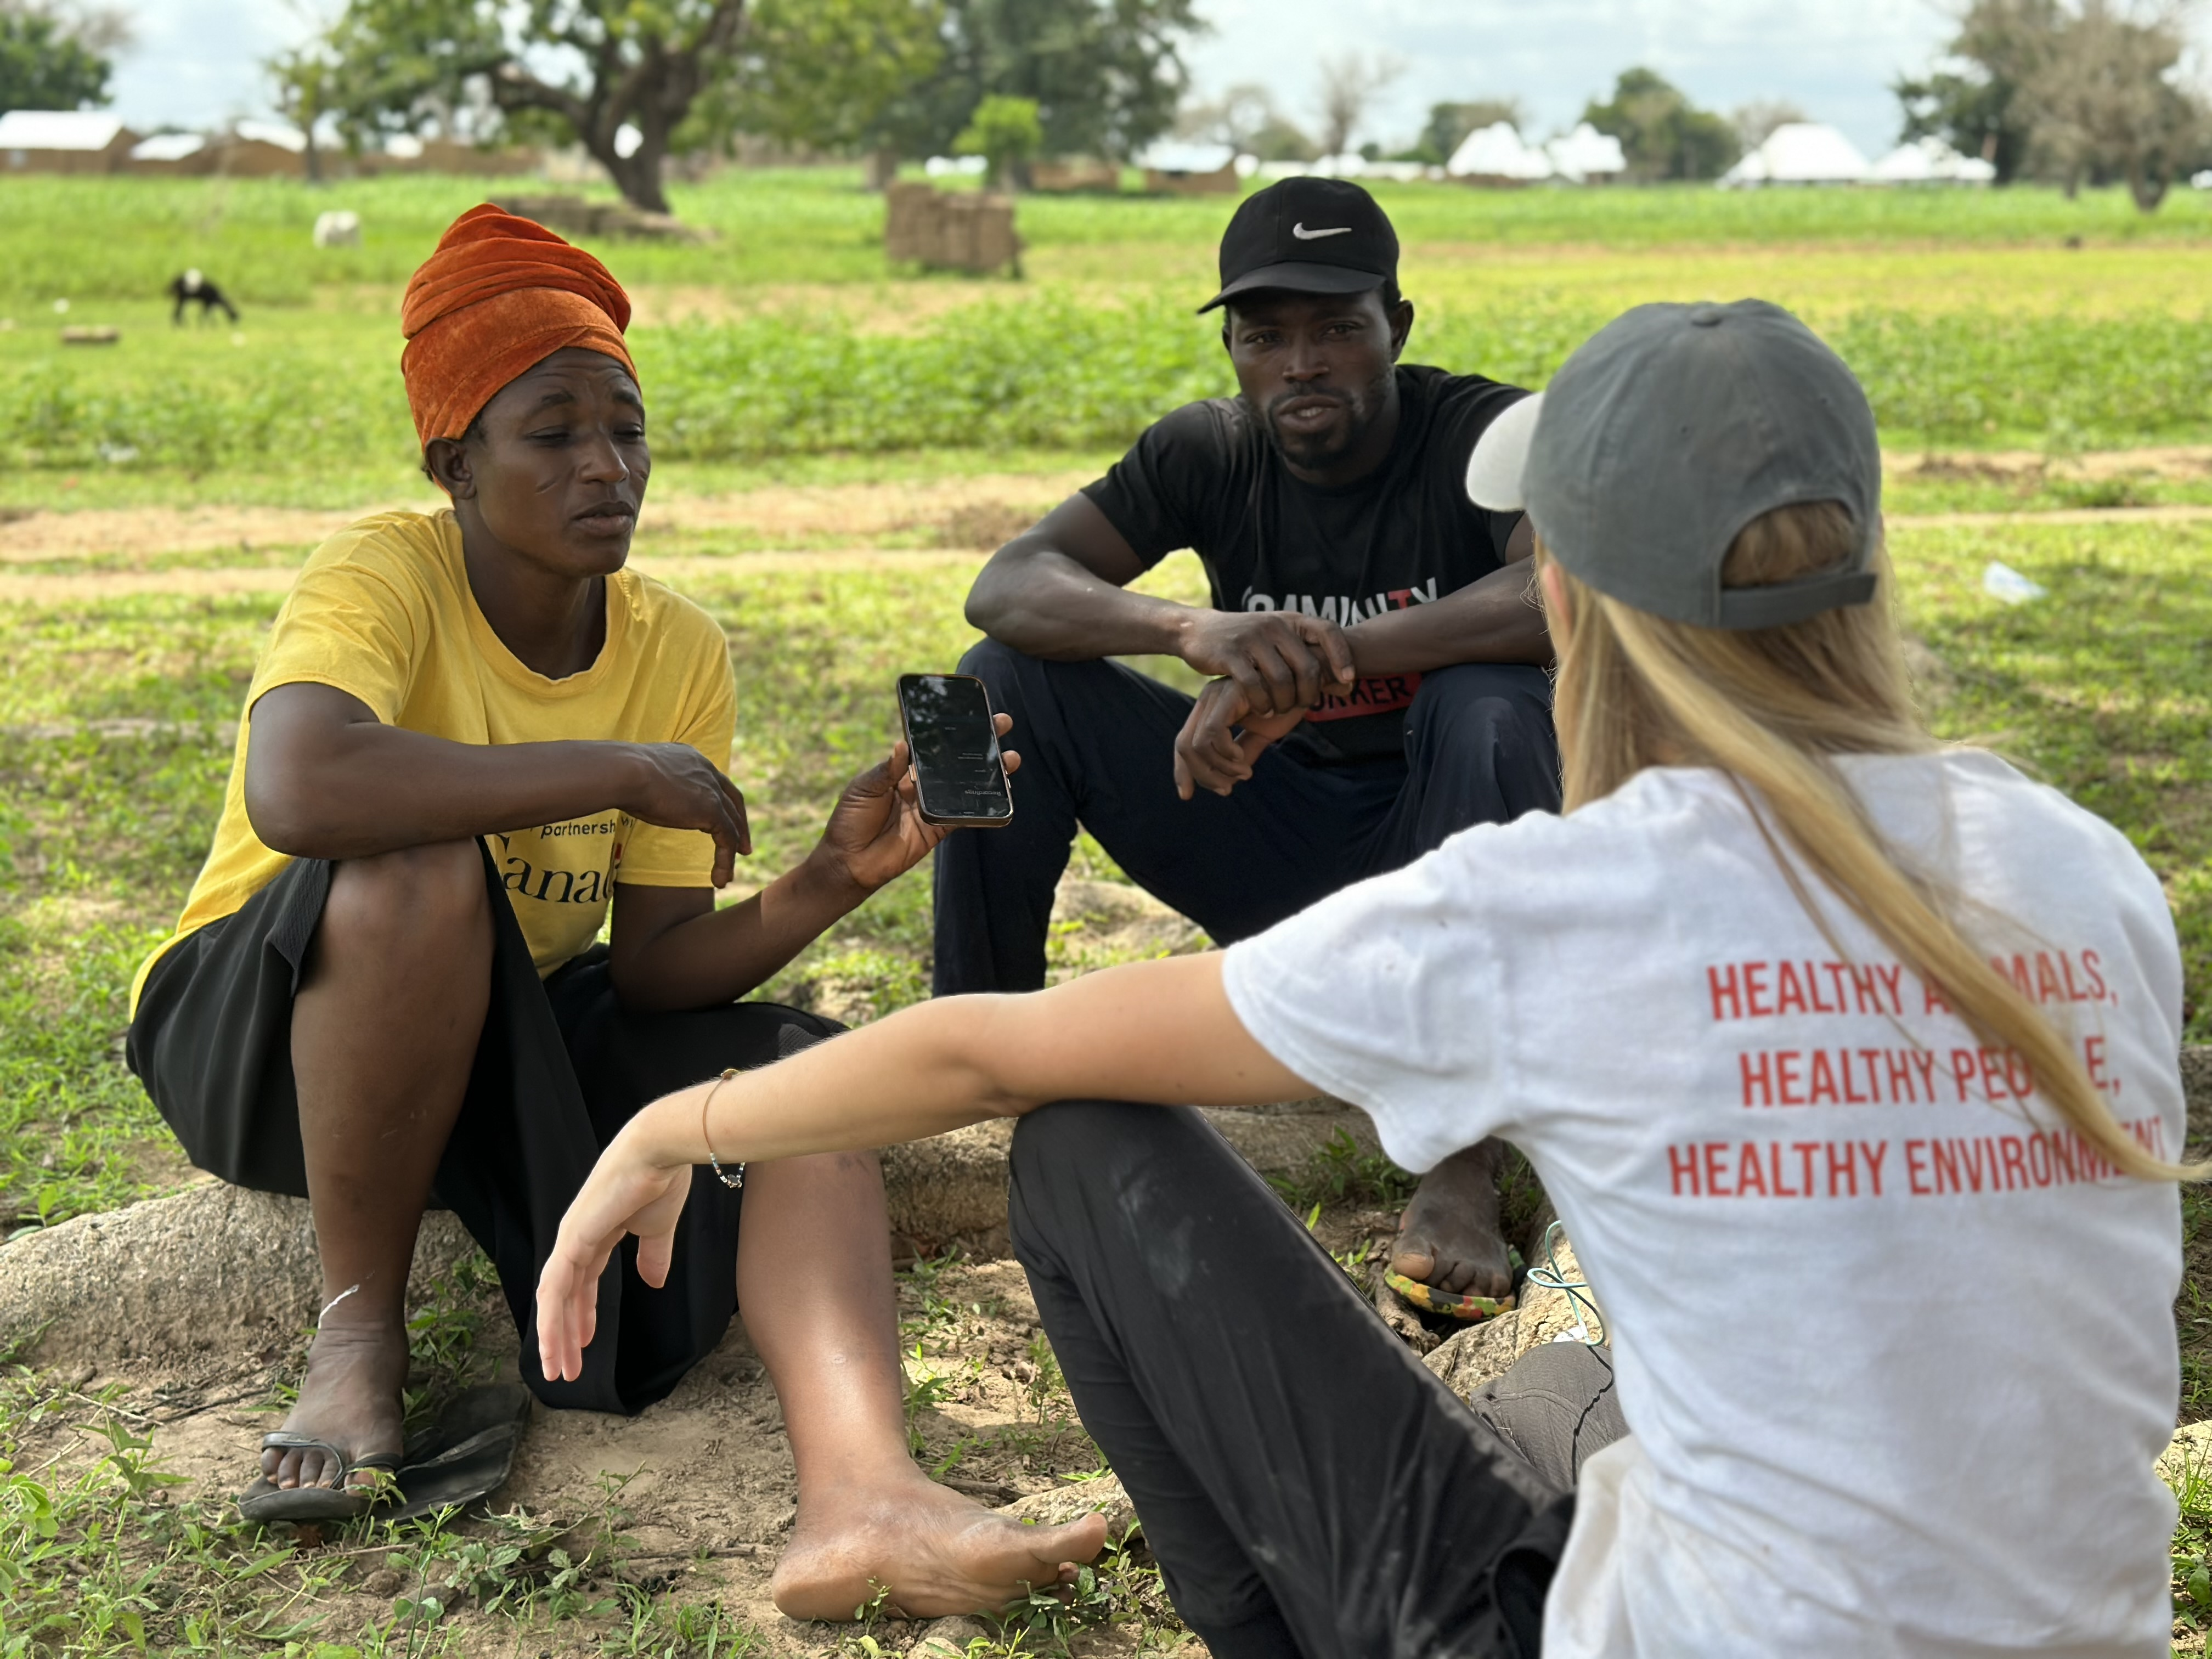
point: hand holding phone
(959, 775)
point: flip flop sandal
(1429, 1299)
(265, 1501)
(465, 1455)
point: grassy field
(784, 361)
(1969, 316)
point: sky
(198, 62)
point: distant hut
(1801, 153)
(1498, 155)
(1587, 156)
(259, 149)
(1930, 162)
(1173, 168)
(171, 153)
(64, 141)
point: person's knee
(410, 899)
(994, 662)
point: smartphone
(958, 772)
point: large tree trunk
(881, 169)
(2147, 186)
(638, 176)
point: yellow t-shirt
(383, 610)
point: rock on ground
(211, 1265)
(215, 1265)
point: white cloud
(198, 62)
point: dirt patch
(980, 512)
(983, 511)
(2180, 513)
(2177, 464)
(691, 1501)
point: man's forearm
(1048, 605)
(1495, 619)
(719, 955)
(373, 788)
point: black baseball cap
(1309, 236)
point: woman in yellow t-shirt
(472, 736)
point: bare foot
(1448, 1237)
(936, 1553)
(350, 1397)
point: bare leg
(384, 1033)
(1449, 1236)
(814, 1283)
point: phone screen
(956, 766)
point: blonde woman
(1849, 1062)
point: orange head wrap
(498, 297)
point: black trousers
(1310, 1487)
(1097, 747)
(560, 1068)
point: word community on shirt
(1899, 1071)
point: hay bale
(949, 230)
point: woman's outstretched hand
(876, 831)
(626, 1192)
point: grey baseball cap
(1670, 429)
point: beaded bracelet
(734, 1182)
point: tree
(2001, 46)
(1235, 119)
(620, 75)
(819, 73)
(1106, 75)
(53, 57)
(1349, 84)
(1005, 132)
(305, 82)
(1661, 133)
(2106, 101)
(1246, 118)
(1755, 122)
(2088, 92)
(1448, 124)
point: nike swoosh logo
(1305, 235)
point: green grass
(788, 339)
(116, 238)
(317, 391)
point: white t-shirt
(1895, 1359)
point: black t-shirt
(1209, 478)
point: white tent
(1498, 151)
(1586, 153)
(1930, 162)
(87, 130)
(1179, 155)
(1801, 153)
(170, 147)
(271, 133)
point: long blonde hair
(1772, 708)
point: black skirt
(560, 1068)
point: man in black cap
(1376, 659)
